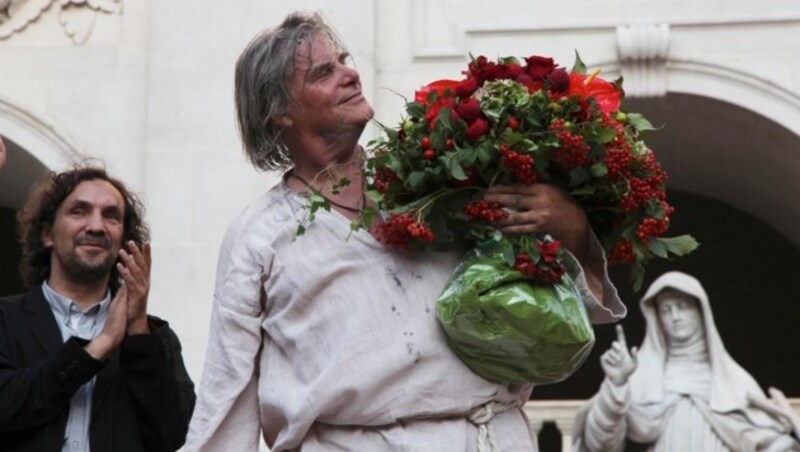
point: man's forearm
(37, 395)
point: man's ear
(282, 121)
(47, 238)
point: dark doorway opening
(750, 273)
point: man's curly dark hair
(39, 213)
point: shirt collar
(63, 306)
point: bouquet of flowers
(510, 311)
(509, 122)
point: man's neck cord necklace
(333, 203)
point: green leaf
(456, 170)
(337, 188)
(391, 134)
(415, 110)
(367, 217)
(599, 170)
(510, 137)
(658, 248)
(300, 230)
(484, 152)
(509, 60)
(605, 135)
(639, 121)
(468, 156)
(578, 176)
(637, 276)
(585, 190)
(578, 67)
(374, 196)
(316, 199)
(415, 179)
(681, 245)
(444, 118)
(618, 84)
(453, 167)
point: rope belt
(482, 417)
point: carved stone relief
(77, 17)
(643, 51)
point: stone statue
(681, 391)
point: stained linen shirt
(72, 321)
(330, 340)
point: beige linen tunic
(329, 341)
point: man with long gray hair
(319, 343)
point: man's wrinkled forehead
(312, 49)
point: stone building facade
(147, 86)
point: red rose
(558, 80)
(469, 110)
(477, 129)
(465, 88)
(539, 67)
(514, 70)
(475, 66)
(497, 72)
(484, 70)
(524, 79)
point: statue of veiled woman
(681, 391)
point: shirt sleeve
(227, 416)
(33, 396)
(610, 309)
(157, 380)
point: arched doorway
(734, 179)
(21, 171)
(33, 147)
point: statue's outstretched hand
(779, 408)
(618, 362)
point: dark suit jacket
(143, 397)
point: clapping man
(83, 367)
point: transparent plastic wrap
(508, 328)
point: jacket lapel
(41, 321)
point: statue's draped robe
(692, 397)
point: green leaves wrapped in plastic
(510, 329)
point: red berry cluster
(484, 210)
(648, 165)
(552, 273)
(612, 123)
(401, 228)
(622, 253)
(651, 227)
(617, 160)
(574, 151)
(383, 178)
(641, 191)
(520, 164)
